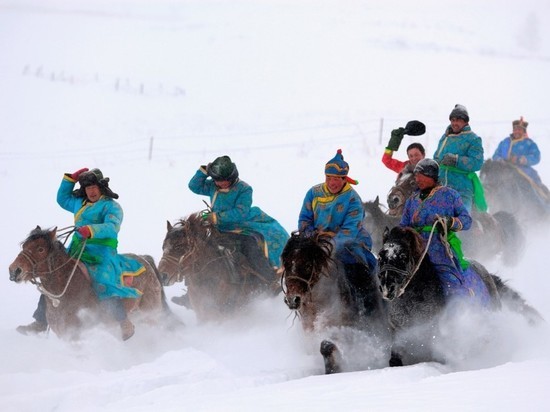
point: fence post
(381, 131)
(151, 148)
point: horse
(497, 234)
(508, 189)
(220, 280)
(72, 305)
(416, 298)
(377, 220)
(346, 306)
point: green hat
(222, 168)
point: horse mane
(317, 246)
(412, 237)
(38, 233)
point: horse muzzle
(293, 302)
(17, 274)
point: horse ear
(386, 234)
(168, 226)
(53, 233)
(38, 227)
(377, 201)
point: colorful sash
(77, 244)
(479, 195)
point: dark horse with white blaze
(416, 298)
(72, 304)
(508, 189)
(497, 234)
(346, 309)
(220, 280)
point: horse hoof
(127, 328)
(395, 360)
(331, 356)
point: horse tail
(513, 238)
(513, 301)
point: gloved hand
(444, 224)
(84, 231)
(77, 174)
(208, 218)
(395, 139)
(450, 159)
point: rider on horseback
(460, 155)
(97, 219)
(260, 238)
(521, 151)
(415, 151)
(437, 212)
(335, 207)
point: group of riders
(448, 190)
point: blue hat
(337, 166)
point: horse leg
(331, 356)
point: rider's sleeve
(391, 163)
(200, 185)
(65, 197)
(531, 153)
(306, 218)
(472, 160)
(462, 219)
(240, 209)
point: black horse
(416, 297)
(507, 189)
(341, 303)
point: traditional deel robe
(522, 153)
(106, 267)
(421, 215)
(468, 146)
(341, 214)
(234, 213)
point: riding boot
(40, 324)
(116, 308)
(33, 328)
(182, 300)
(127, 329)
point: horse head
(398, 260)
(178, 243)
(305, 258)
(404, 186)
(34, 260)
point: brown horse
(341, 302)
(219, 278)
(71, 303)
(491, 235)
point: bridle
(408, 273)
(35, 276)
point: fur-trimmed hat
(428, 167)
(521, 123)
(94, 177)
(337, 166)
(459, 112)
